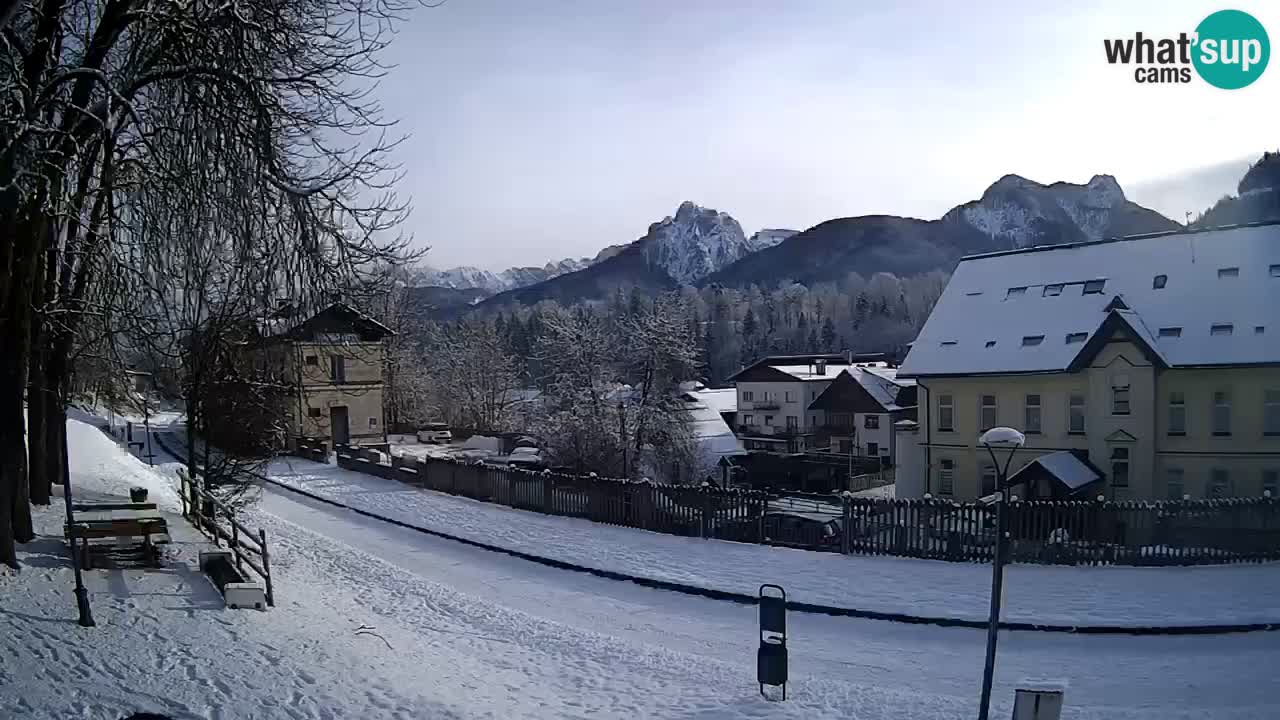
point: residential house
(1139, 368)
(333, 360)
(833, 402)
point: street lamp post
(1003, 438)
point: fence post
(266, 567)
(846, 523)
(235, 543)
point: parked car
(813, 530)
(435, 433)
(529, 458)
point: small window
(337, 368)
(768, 420)
(793, 423)
(1073, 338)
(1120, 467)
(1175, 487)
(1159, 281)
(1052, 290)
(946, 412)
(1177, 413)
(987, 414)
(1120, 400)
(871, 422)
(1094, 287)
(1259, 329)
(790, 396)
(973, 293)
(747, 395)
(947, 477)
(1032, 340)
(873, 448)
(988, 480)
(1075, 414)
(1270, 482)
(1222, 413)
(313, 360)
(313, 412)
(1015, 291)
(748, 419)
(948, 343)
(1221, 329)
(373, 422)
(1275, 271)
(1219, 483)
(1171, 332)
(1031, 414)
(991, 343)
(1271, 412)
(1228, 272)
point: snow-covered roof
(1198, 298)
(810, 372)
(723, 400)
(1067, 468)
(714, 436)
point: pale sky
(543, 129)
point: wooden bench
(94, 507)
(147, 528)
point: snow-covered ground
(1054, 595)
(474, 634)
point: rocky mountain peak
(693, 243)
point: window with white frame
(987, 415)
(1175, 485)
(1075, 413)
(871, 422)
(873, 448)
(1219, 483)
(748, 419)
(1271, 412)
(793, 423)
(1120, 395)
(1031, 414)
(1221, 412)
(988, 480)
(747, 395)
(1120, 466)
(946, 412)
(790, 396)
(946, 477)
(768, 420)
(1177, 413)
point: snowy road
(492, 635)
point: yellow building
(1154, 361)
(334, 363)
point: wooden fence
(216, 520)
(1192, 532)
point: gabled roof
(804, 367)
(860, 391)
(334, 318)
(1194, 298)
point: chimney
(821, 365)
(848, 354)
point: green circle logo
(1232, 49)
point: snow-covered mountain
(769, 237)
(694, 243)
(466, 277)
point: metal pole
(82, 595)
(997, 584)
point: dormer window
(1275, 271)
(1228, 272)
(1014, 291)
(1221, 329)
(1032, 340)
(1259, 329)
(948, 343)
(1052, 290)
(1159, 281)
(1076, 337)
(1171, 332)
(991, 343)
(1094, 287)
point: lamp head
(1003, 437)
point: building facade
(832, 403)
(334, 362)
(1154, 361)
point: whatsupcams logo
(1229, 49)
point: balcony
(759, 405)
(773, 432)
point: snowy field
(1056, 595)
(474, 634)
